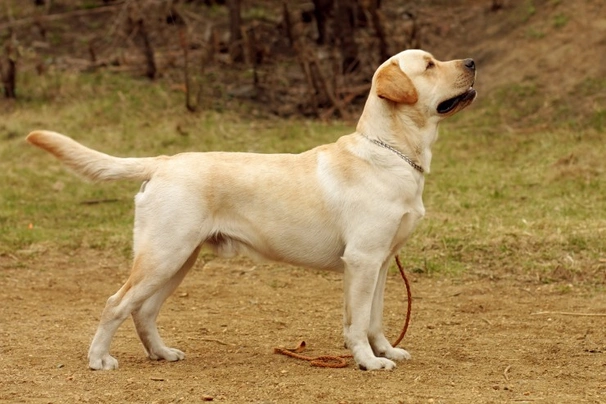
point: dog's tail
(92, 164)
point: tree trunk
(9, 74)
(148, 51)
(373, 10)
(236, 50)
(137, 25)
(344, 31)
(322, 9)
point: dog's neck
(410, 133)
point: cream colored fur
(347, 206)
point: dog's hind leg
(145, 317)
(380, 345)
(152, 271)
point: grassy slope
(498, 200)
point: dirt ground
(473, 339)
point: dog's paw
(382, 348)
(105, 362)
(167, 354)
(396, 354)
(376, 364)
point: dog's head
(433, 88)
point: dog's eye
(430, 64)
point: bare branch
(54, 17)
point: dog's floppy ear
(394, 85)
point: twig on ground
(505, 372)
(218, 341)
(98, 201)
(567, 313)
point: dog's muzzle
(460, 100)
(464, 99)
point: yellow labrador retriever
(346, 206)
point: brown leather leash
(338, 361)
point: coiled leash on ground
(339, 361)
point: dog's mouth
(460, 100)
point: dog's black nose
(470, 64)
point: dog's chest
(412, 215)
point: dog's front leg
(360, 280)
(380, 345)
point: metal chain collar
(399, 153)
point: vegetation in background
(517, 180)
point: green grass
(534, 33)
(519, 202)
(501, 199)
(560, 20)
(527, 10)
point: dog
(347, 206)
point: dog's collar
(399, 153)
